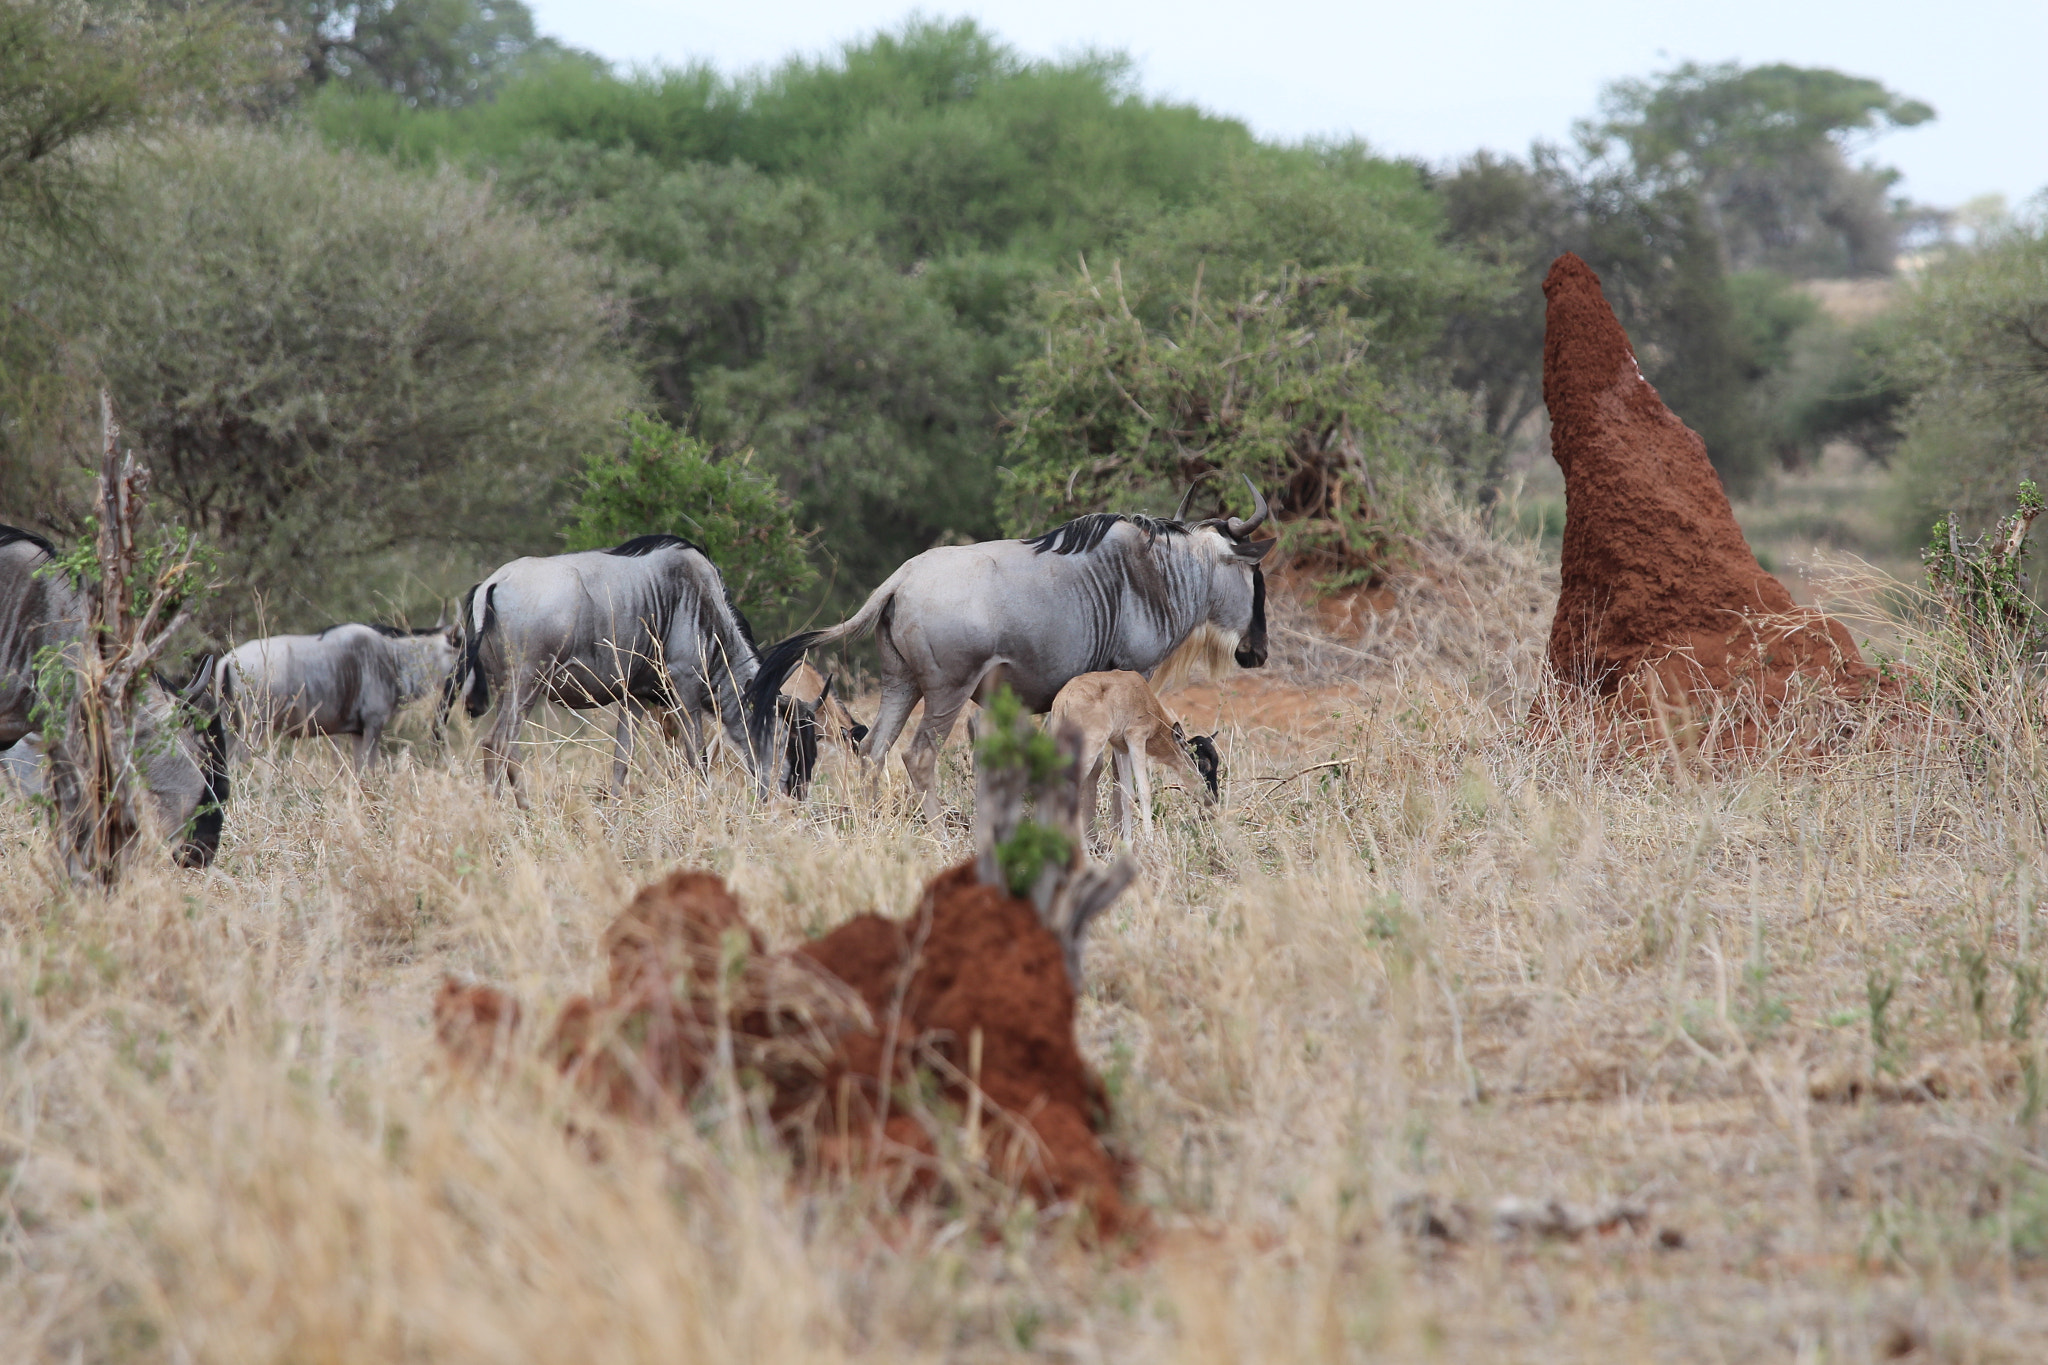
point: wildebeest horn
(1260, 511)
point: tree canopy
(927, 286)
(1972, 350)
(1767, 150)
(327, 360)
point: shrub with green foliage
(827, 263)
(1982, 583)
(336, 367)
(1660, 266)
(1974, 351)
(666, 480)
(1278, 387)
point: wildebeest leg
(366, 745)
(996, 677)
(1120, 792)
(1091, 791)
(899, 695)
(631, 712)
(921, 759)
(684, 729)
(500, 763)
(1141, 781)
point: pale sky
(1440, 79)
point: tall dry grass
(1792, 1011)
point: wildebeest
(1121, 719)
(36, 611)
(180, 742)
(643, 625)
(347, 680)
(836, 724)
(1105, 591)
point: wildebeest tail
(476, 688)
(779, 660)
(765, 690)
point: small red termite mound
(979, 989)
(1662, 603)
(475, 1023)
(966, 1003)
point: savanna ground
(1792, 1013)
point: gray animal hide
(1102, 592)
(35, 612)
(645, 626)
(184, 766)
(347, 680)
(184, 769)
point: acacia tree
(438, 54)
(1766, 149)
(73, 71)
(1973, 350)
(1660, 265)
(1279, 386)
(331, 362)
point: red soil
(1662, 602)
(841, 1030)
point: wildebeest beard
(1251, 650)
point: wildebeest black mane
(661, 540)
(388, 632)
(10, 534)
(647, 545)
(1085, 532)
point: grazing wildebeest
(1121, 719)
(36, 611)
(347, 680)
(179, 739)
(1105, 591)
(644, 625)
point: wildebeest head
(836, 724)
(1208, 760)
(185, 751)
(796, 722)
(1237, 590)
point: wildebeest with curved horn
(1105, 591)
(645, 625)
(184, 765)
(347, 680)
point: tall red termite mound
(965, 1005)
(1662, 602)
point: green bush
(1973, 353)
(337, 369)
(665, 480)
(1277, 387)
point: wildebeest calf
(1122, 719)
(347, 680)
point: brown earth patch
(1249, 701)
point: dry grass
(1463, 965)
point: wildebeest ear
(859, 732)
(826, 690)
(1251, 552)
(1180, 732)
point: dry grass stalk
(1466, 967)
